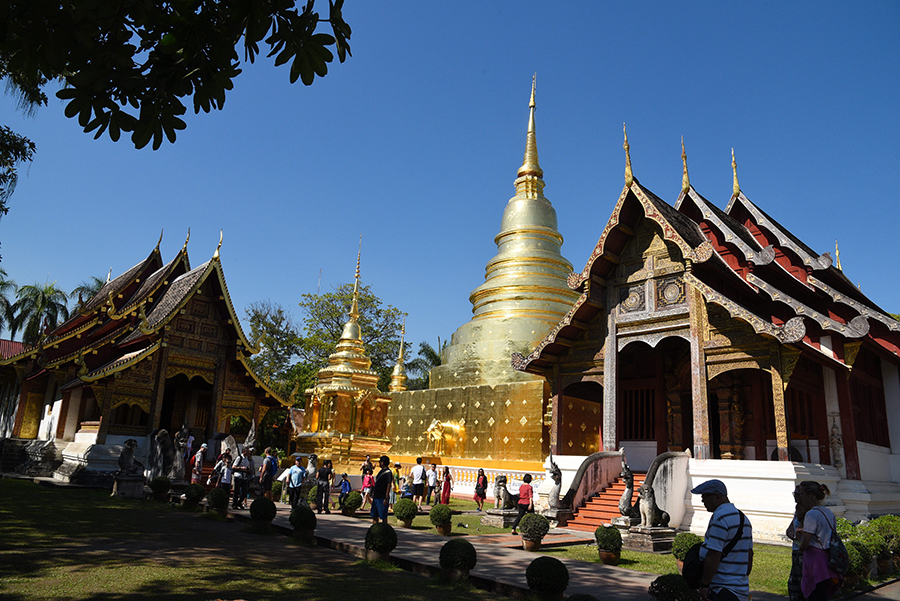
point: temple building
(720, 332)
(158, 347)
(477, 406)
(345, 412)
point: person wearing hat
(197, 470)
(726, 571)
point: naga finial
(737, 186)
(629, 176)
(219, 247)
(186, 240)
(837, 256)
(160, 239)
(685, 180)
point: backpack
(692, 571)
(838, 558)
(273, 466)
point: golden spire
(530, 164)
(629, 176)
(837, 255)
(219, 247)
(186, 240)
(402, 335)
(737, 186)
(685, 180)
(398, 376)
(354, 306)
(160, 239)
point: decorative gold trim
(892, 324)
(629, 175)
(685, 180)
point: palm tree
(86, 290)
(7, 290)
(423, 364)
(37, 308)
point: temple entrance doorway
(187, 401)
(741, 415)
(581, 419)
(654, 411)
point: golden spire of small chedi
(345, 411)
(477, 404)
(398, 376)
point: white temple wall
(875, 462)
(71, 416)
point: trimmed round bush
(312, 497)
(683, 543)
(276, 490)
(865, 555)
(872, 539)
(534, 526)
(194, 493)
(547, 575)
(354, 501)
(608, 538)
(440, 515)
(458, 554)
(160, 485)
(889, 528)
(217, 499)
(262, 509)
(672, 587)
(405, 510)
(381, 538)
(303, 518)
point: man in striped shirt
(726, 572)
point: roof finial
(737, 186)
(186, 240)
(685, 180)
(530, 164)
(160, 238)
(402, 335)
(219, 247)
(629, 176)
(837, 256)
(354, 306)
(109, 275)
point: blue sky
(414, 143)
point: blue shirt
(298, 475)
(732, 572)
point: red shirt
(525, 494)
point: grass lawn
(78, 544)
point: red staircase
(604, 506)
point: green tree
(128, 65)
(14, 149)
(273, 330)
(7, 291)
(324, 322)
(86, 290)
(428, 358)
(38, 308)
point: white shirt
(432, 478)
(418, 474)
(818, 522)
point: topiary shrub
(683, 543)
(889, 528)
(440, 515)
(312, 497)
(276, 490)
(608, 538)
(845, 529)
(865, 556)
(534, 527)
(873, 539)
(160, 485)
(263, 509)
(672, 587)
(217, 499)
(193, 494)
(458, 554)
(405, 510)
(547, 575)
(353, 501)
(381, 538)
(303, 518)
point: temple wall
(501, 422)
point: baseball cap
(710, 487)
(204, 446)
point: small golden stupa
(345, 411)
(478, 407)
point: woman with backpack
(818, 581)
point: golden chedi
(478, 406)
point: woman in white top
(818, 582)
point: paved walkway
(499, 568)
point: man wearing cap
(726, 573)
(197, 470)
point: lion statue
(502, 498)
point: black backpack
(838, 558)
(692, 571)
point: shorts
(393, 498)
(419, 489)
(265, 483)
(379, 509)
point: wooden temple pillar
(159, 389)
(551, 417)
(697, 309)
(784, 360)
(610, 372)
(731, 416)
(25, 393)
(216, 418)
(848, 427)
(103, 395)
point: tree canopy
(420, 367)
(273, 330)
(128, 65)
(38, 308)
